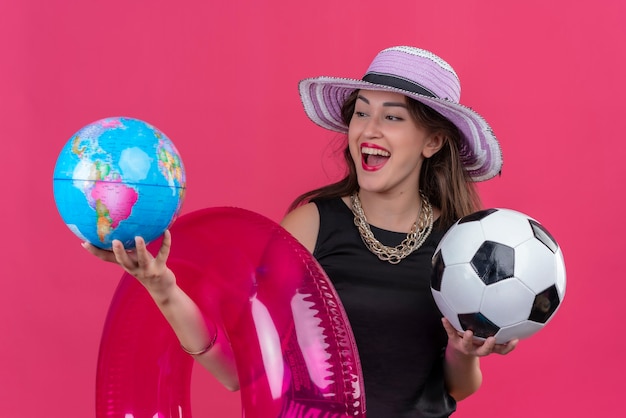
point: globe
(118, 178)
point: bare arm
(303, 223)
(177, 307)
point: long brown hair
(442, 178)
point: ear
(433, 144)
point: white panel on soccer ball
(535, 265)
(507, 302)
(560, 280)
(507, 227)
(446, 310)
(521, 330)
(461, 288)
(460, 243)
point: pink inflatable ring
(291, 339)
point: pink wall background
(219, 78)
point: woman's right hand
(152, 272)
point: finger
(487, 347)
(453, 333)
(144, 258)
(450, 330)
(99, 252)
(166, 245)
(506, 348)
(468, 341)
(122, 257)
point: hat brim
(481, 156)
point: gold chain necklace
(414, 239)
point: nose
(372, 128)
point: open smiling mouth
(373, 158)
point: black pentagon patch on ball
(438, 267)
(545, 305)
(477, 216)
(544, 236)
(493, 262)
(478, 324)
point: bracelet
(204, 350)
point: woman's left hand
(464, 343)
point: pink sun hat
(420, 75)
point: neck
(394, 212)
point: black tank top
(395, 321)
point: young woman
(412, 154)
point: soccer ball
(499, 273)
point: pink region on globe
(111, 123)
(117, 198)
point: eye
(394, 118)
(359, 114)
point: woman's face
(386, 143)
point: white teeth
(375, 151)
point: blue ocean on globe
(118, 178)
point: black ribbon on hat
(398, 83)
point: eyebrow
(387, 104)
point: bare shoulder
(303, 223)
